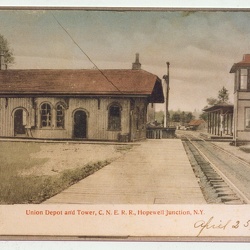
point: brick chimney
(246, 58)
(136, 65)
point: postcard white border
(146, 3)
(130, 3)
(125, 222)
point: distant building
(77, 104)
(241, 72)
(197, 124)
(220, 119)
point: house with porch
(220, 119)
(109, 105)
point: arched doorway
(80, 124)
(19, 122)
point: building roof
(81, 82)
(220, 106)
(244, 63)
(196, 122)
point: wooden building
(199, 124)
(241, 72)
(77, 104)
(220, 119)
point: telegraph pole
(1, 59)
(166, 78)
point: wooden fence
(160, 133)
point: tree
(223, 95)
(211, 101)
(204, 116)
(183, 117)
(5, 51)
(159, 116)
(189, 117)
(176, 117)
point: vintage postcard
(124, 124)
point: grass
(34, 189)
(123, 148)
(245, 148)
(24, 189)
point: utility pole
(166, 78)
(1, 59)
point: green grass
(23, 189)
(245, 148)
(35, 189)
(123, 148)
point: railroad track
(207, 164)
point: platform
(211, 137)
(154, 172)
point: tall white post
(166, 78)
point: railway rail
(223, 177)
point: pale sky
(200, 46)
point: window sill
(50, 128)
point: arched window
(45, 115)
(114, 119)
(59, 116)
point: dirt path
(157, 171)
(61, 156)
(234, 150)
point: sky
(201, 46)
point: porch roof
(81, 82)
(225, 107)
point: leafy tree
(159, 116)
(223, 95)
(211, 101)
(204, 116)
(189, 117)
(183, 117)
(5, 51)
(176, 117)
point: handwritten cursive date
(202, 225)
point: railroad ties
(215, 189)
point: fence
(160, 133)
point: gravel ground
(239, 174)
(225, 145)
(62, 156)
(208, 192)
(234, 150)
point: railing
(160, 132)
